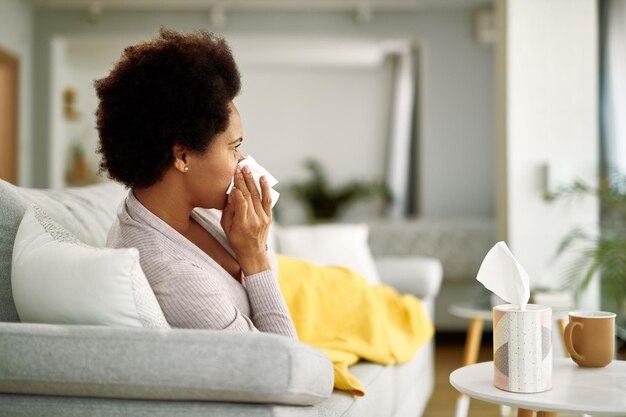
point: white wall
(457, 144)
(548, 115)
(335, 113)
(297, 99)
(293, 113)
(16, 25)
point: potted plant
(604, 253)
(324, 202)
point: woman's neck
(167, 201)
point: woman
(170, 132)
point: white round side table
(596, 391)
(477, 312)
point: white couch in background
(460, 245)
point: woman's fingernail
(246, 169)
(238, 168)
(263, 178)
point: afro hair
(172, 90)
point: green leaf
(604, 254)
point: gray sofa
(69, 370)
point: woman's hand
(246, 220)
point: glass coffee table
(595, 391)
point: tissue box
(522, 348)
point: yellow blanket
(338, 312)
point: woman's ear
(180, 158)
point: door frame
(9, 116)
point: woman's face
(210, 173)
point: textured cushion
(166, 364)
(12, 209)
(330, 245)
(460, 244)
(58, 279)
(86, 212)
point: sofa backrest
(87, 212)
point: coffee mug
(590, 338)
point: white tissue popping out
(522, 332)
(501, 274)
(257, 172)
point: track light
(217, 16)
(363, 14)
(94, 12)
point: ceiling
(258, 5)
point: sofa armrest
(420, 276)
(166, 364)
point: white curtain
(399, 156)
(614, 94)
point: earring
(186, 168)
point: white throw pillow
(330, 244)
(58, 279)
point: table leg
(472, 342)
(562, 325)
(470, 355)
(462, 406)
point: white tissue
(257, 172)
(501, 274)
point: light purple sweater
(193, 290)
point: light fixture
(363, 14)
(94, 11)
(485, 26)
(217, 16)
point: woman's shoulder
(134, 229)
(159, 257)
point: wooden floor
(448, 357)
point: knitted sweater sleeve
(191, 298)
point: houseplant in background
(325, 202)
(604, 253)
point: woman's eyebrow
(236, 140)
